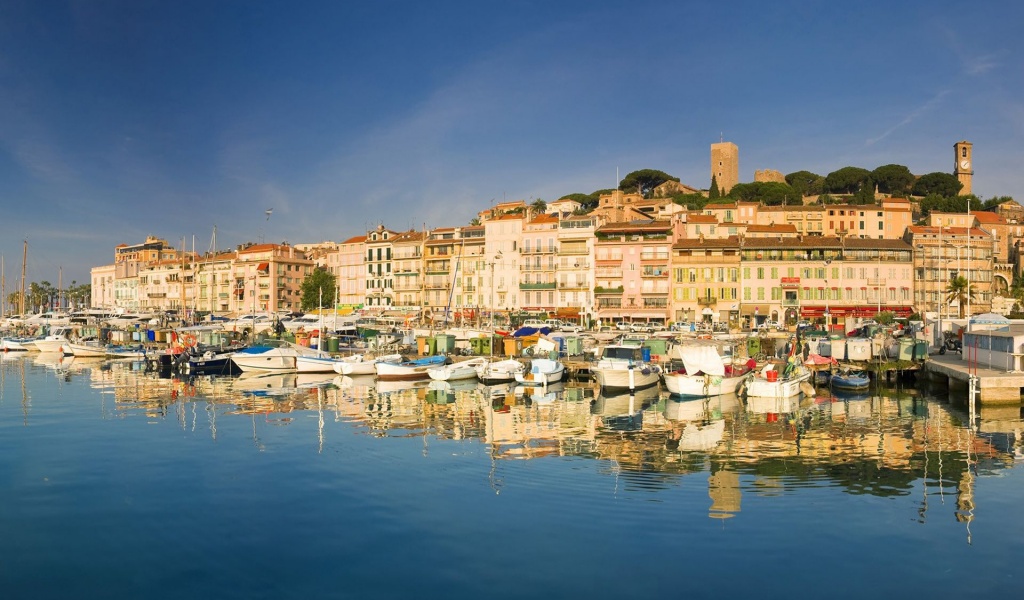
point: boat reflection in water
(735, 445)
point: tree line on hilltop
(849, 185)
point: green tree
(320, 280)
(846, 180)
(538, 206)
(960, 291)
(714, 192)
(895, 180)
(690, 201)
(644, 181)
(885, 317)
(474, 221)
(806, 183)
(771, 193)
(942, 184)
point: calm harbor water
(118, 483)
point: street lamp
(828, 315)
(959, 273)
(497, 257)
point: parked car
(769, 324)
(640, 327)
(622, 326)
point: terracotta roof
(508, 217)
(793, 208)
(409, 236)
(355, 240)
(545, 218)
(701, 219)
(720, 206)
(260, 248)
(778, 228)
(826, 243)
(988, 217)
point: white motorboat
(542, 371)
(621, 367)
(362, 364)
(704, 373)
(457, 371)
(407, 370)
(276, 356)
(771, 383)
(502, 371)
(56, 341)
(316, 363)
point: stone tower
(964, 166)
(725, 165)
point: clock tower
(964, 167)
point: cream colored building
(576, 268)
(705, 275)
(268, 278)
(503, 236)
(942, 253)
(538, 252)
(101, 280)
(347, 265)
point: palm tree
(960, 291)
(538, 206)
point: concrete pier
(996, 386)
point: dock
(995, 386)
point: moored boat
(407, 370)
(279, 357)
(456, 371)
(500, 371)
(542, 371)
(704, 373)
(771, 383)
(621, 367)
(850, 379)
(362, 364)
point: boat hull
(503, 371)
(542, 372)
(407, 371)
(619, 378)
(272, 360)
(90, 351)
(701, 386)
(783, 388)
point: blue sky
(120, 119)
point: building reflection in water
(895, 444)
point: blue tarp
(525, 331)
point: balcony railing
(609, 290)
(537, 267)
(707, 300)
(537, 286)
(790, 302)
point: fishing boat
(15, 344)
(456, 371)
(362, 364)
(408, 370)
(704, 373)
(850, 379)
(542, 371)
(88, 347)
(770, 382)
(116, 352)
(501, 371)
(621, 367)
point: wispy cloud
(910, 118)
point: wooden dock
(995, 386)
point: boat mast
(24, 258)
(3, 288)
(60, 286)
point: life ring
(189, 340)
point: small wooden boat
(457, 371)
(501, 371)
(408, 370)
(850, 379)
(542, 371)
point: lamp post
(959, 273)
(828, 315)
(497, 257)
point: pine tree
(714, 193)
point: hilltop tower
(725, 165)
(963, 168)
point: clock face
(965, 164)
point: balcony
(157, 294)
(876, 282)
(707, 300)
(609, 290)
(537, 286)
(550, 250)
(790, 302)
(535, 268)
(573, 251)
(653, 257)
(569, 286)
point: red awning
(263, 266)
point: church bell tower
(964, 167)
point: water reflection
(894, 443)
